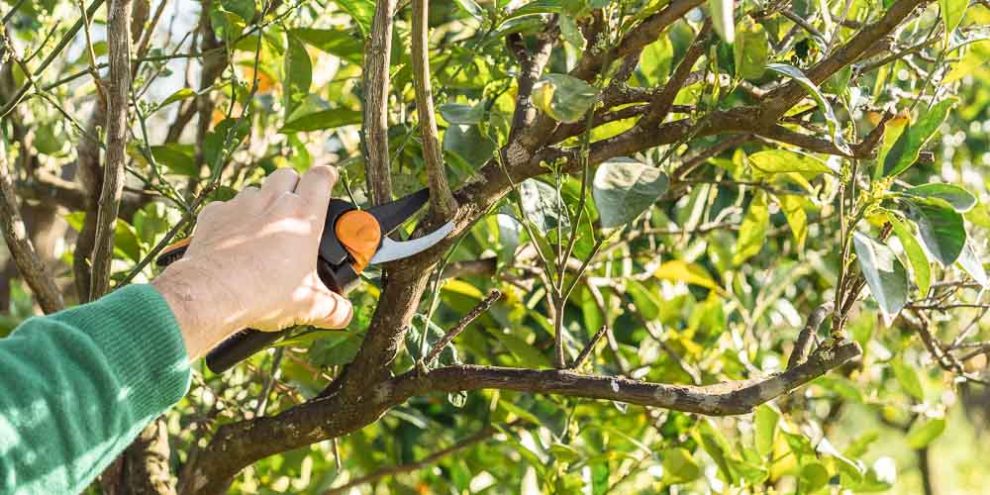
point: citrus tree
(665, 211)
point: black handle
(248, 342)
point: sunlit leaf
(924, 432)
(766, 420)
(679, 466)
(960, 199)
(563, 97)
(884, 274)
(689, 273)
(908, 378)
(625, 188)
(941, 227)
(722, 15)
(971, 263)
(298, 74)
(783, 161)
(907, 148)
(751, 50)
(753, 231)
(322, 120)
(920, 264)
(952, 14)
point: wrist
(197, 299)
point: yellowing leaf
(689, 273)
(463, 288)
(753, 232)
(792, 206)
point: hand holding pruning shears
(279, 256)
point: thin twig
(588, 349)
(803, 343)
(472, 315)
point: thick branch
(29, 264)
(713, 400)
(376, 85)
(118, 91)
(441, 199)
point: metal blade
(396, 250)
(394, 213)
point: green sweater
(77, 386)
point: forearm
(78, 386)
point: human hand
(252, 263)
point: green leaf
(784, 161)
(324, 119)
(766, 420)
(970, 262)
(717, 448)
(178, 158)
(362, 11)
(657, 60)
(298, 74)
(753, 231)
(833, 123)
(959, 198)
(814, 476)
(472, 8)
(564, 98)
(245, 9)
(751, 50)
(923, 433)
(179, 95)
(125, 241)
(522, 350)
(624, 188)
(467, 143)
(338, 42)
(459, 113)
(942, 229)
(792, 206)
(908, 146)
(884, 274)
(952, 14)
(723, 19)
(908, 378)
(920, 264)
(542, 205)
(679, 466)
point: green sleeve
(77, 386)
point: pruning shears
(352, 240)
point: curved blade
(394, 213)
(396, 250)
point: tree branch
(720, 399)
(441, 199)
(118, 91)
(29, 264)
(376, 85)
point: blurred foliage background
(699, 279)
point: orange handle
(360, 234)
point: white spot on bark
(20, 231)
(615, 386)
